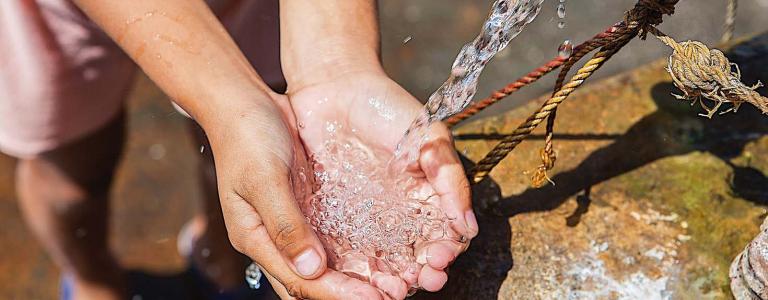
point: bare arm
(185, 50)
(330, 50)
(182, 46)
(322, 40)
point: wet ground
(673, 197)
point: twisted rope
(703, 73)
(730, 21)
(547, 154)
(639, 21)
(647, 14)
(582, 49)
(509, 142)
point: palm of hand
(376, 111)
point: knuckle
(286, 236)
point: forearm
(185, 50)
(321, 40)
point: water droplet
(561, 10)
(205, 252)
(407, 39)
(566, 49)
(253, 276)
(301, 124)
(331, 127)
(202, 148)
(561, 24)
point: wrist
(334, 60)
(222, 107)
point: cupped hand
(379, 111)
(257, 154)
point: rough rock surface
(650, 200)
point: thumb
(274, 200)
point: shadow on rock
(674, 129)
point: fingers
(278, 287)
(432, 280)
(443, 170)
(295, 240)
(251, 237)
(439, 255)
(393, 286)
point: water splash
(368, 222)
(506, 20)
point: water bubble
(561, 24)
(566, 49)
(301, 124)
(561, 10)
(407, 39)
(331, 127)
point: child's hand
(382, 127)
(257, 151)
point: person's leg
(63, 196)
(61, 88)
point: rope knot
(649, 13)
(701, 72)
(540, 177)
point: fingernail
(471, 220)
(307, 262)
